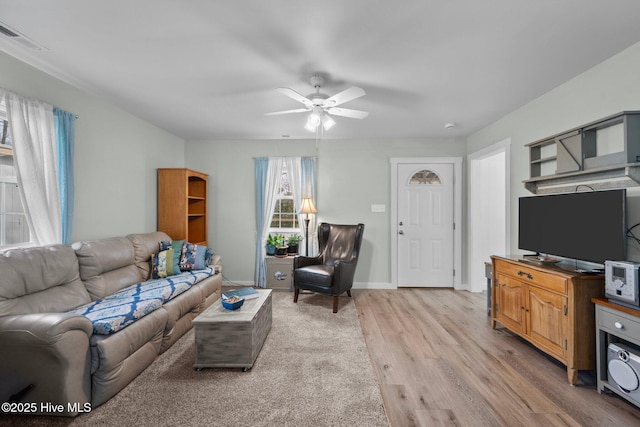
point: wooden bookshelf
(182, 204)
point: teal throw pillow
(177, 245)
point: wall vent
(8, 33)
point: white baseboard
(462, 287)
(373, 285)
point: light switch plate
(377, 208)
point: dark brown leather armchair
(332, 271)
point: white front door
(425, 224)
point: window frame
(281, 197)
(6, 150)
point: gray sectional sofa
(78, 323)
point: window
(425, 177)
(13, 223)
(285, 217)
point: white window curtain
(34, 145)
(268, 172)
(294, 171)
(301, 173)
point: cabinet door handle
(524, 273)
(618, 325)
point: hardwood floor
(439, 363)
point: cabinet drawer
(529, 275)
(619, 323)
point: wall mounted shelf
(604, 154)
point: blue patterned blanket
(114, 312)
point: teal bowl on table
(232, 305)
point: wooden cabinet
(182, 204)
(550, 307)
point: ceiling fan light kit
(322, 105)
(312, 122)
(327, 122)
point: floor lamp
(307, 208)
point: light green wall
(608, 88)
(352, 175)
(116, 155)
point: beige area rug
(313, 370)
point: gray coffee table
(232, 339)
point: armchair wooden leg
(349, 292)
(296, 292)
(335, 304)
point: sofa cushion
(110, 315)
(118, 358)
(40, 280)
(114, 312)
(165, 288)
(315, 275)
(107, 265)
(145, 244)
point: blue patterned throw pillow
(188, 256)
(161, 264)
(164, 245)
(208, 257)
(194, 257)
(199, 262)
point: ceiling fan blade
(347, 112)
(345, 96)
(295, 95)
(297, 110)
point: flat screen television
(588, 226)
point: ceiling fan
(322, 105)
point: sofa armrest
(216, 264)
(304, 261)
(46, 328)
(45, 357)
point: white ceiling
(208, 69)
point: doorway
(489, 210)
(425, 222)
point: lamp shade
(327, 122)
(307, 206)
(313, 121)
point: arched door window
(424, 177)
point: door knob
(400, 232)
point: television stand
(549, 307)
